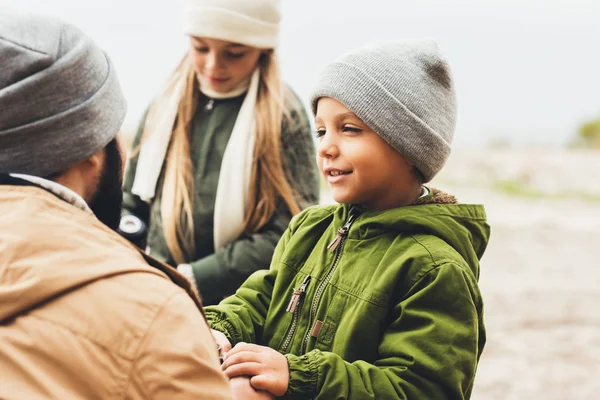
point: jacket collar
(57, 189)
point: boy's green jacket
(393, 312)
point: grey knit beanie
(404, 91)
(60, 101)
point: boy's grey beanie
(60, 100)
(404, 91)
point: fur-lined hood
(436, 196)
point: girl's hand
(222, 342)
(268, 369)
(242, 390)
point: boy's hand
(267, 368)
(242, 390)
(222, 341)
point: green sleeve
(429, 351)
(222, 272)
(241, 317)
(132, 204)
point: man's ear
(81, 177)
(95, 161)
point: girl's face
(359, 166)
(221, 65)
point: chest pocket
(352, 327)
(332, 321)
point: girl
(377, 297)
(223, 157)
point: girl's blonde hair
(268, 180)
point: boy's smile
(359, 166)
(334, 175)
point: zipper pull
(297, 295)
(209, 105)
(341, 233)
(336, 242)
(316, 328)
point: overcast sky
(526, 70)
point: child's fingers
(240, 357)
(262, 382)
(269, 383)
(242, 346)
(247, 368)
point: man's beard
(108, 200)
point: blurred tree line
(588, 135)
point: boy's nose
(327, 148)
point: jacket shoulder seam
(435, 260)
(80, 335)
(143, 338)
(437, 266)
(426, 248)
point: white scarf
(236, 168)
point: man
(83, 314)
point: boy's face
(359, 166)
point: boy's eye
(319, 133)
(201, 49)
(351, 128)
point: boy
(376, 297)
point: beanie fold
(60, 97)
(52, 144)
(231, 26)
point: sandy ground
(539, 279)
(540, 273)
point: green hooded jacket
(391, 310)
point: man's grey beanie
(60, 101)
(404, 91)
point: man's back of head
(61, 106)
(60, 98)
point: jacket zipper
(336, 245)
(294, 307)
